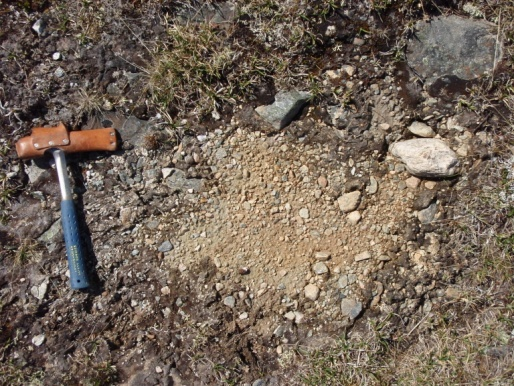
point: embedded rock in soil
(354, 217)
(351, 308)
(178, 180)
(322, 256)
(29, 219)
(427, 215)
(320, 268)
(426, 157)
(36, 173)
(363, 256)
(348, 202)
(284, 109)
(454, 46)
(166, 246)
(229, 301)
(221, 13)
(424, 199)
(131, 129)
(52, 234)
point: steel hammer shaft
(74, 251)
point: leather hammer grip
(78, 141)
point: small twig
(417, 325)
(496, 48)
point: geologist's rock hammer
(58, 141)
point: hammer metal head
(45, 138)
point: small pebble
(354, 217)
(289, 315)
(320, 268)
(230, 301)
(363, 256)
(412, 182)
(59, 72)
(311, 292)
(165, 290)
(219, 286)
(244, 271)
(322, 256)
(243, 315)
(38, 340)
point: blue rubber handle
(76, 263)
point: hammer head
(45, 138)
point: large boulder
(426, 157)
(453, 45)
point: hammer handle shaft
(76, 262)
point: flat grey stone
(178, 180)
(322, 256)
(203, 12)
(131, 129)
(426, 157)
(29, 220)
(343, 281)
(165, 246)
(363, 256)
(221, 153)
(351, 308)
(320, 268)
(152, 175)
(455, 46)
(427, 215)
(52, 233)
(372, 188)
(287, 104)
(424, 199)
(229, 301)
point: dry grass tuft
(191, 70)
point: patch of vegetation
(192, 69)
(8, 188)
(25, 252)
(202, 66)
(102, 374)
(352, 360)
(16, 375)
(17, 372)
